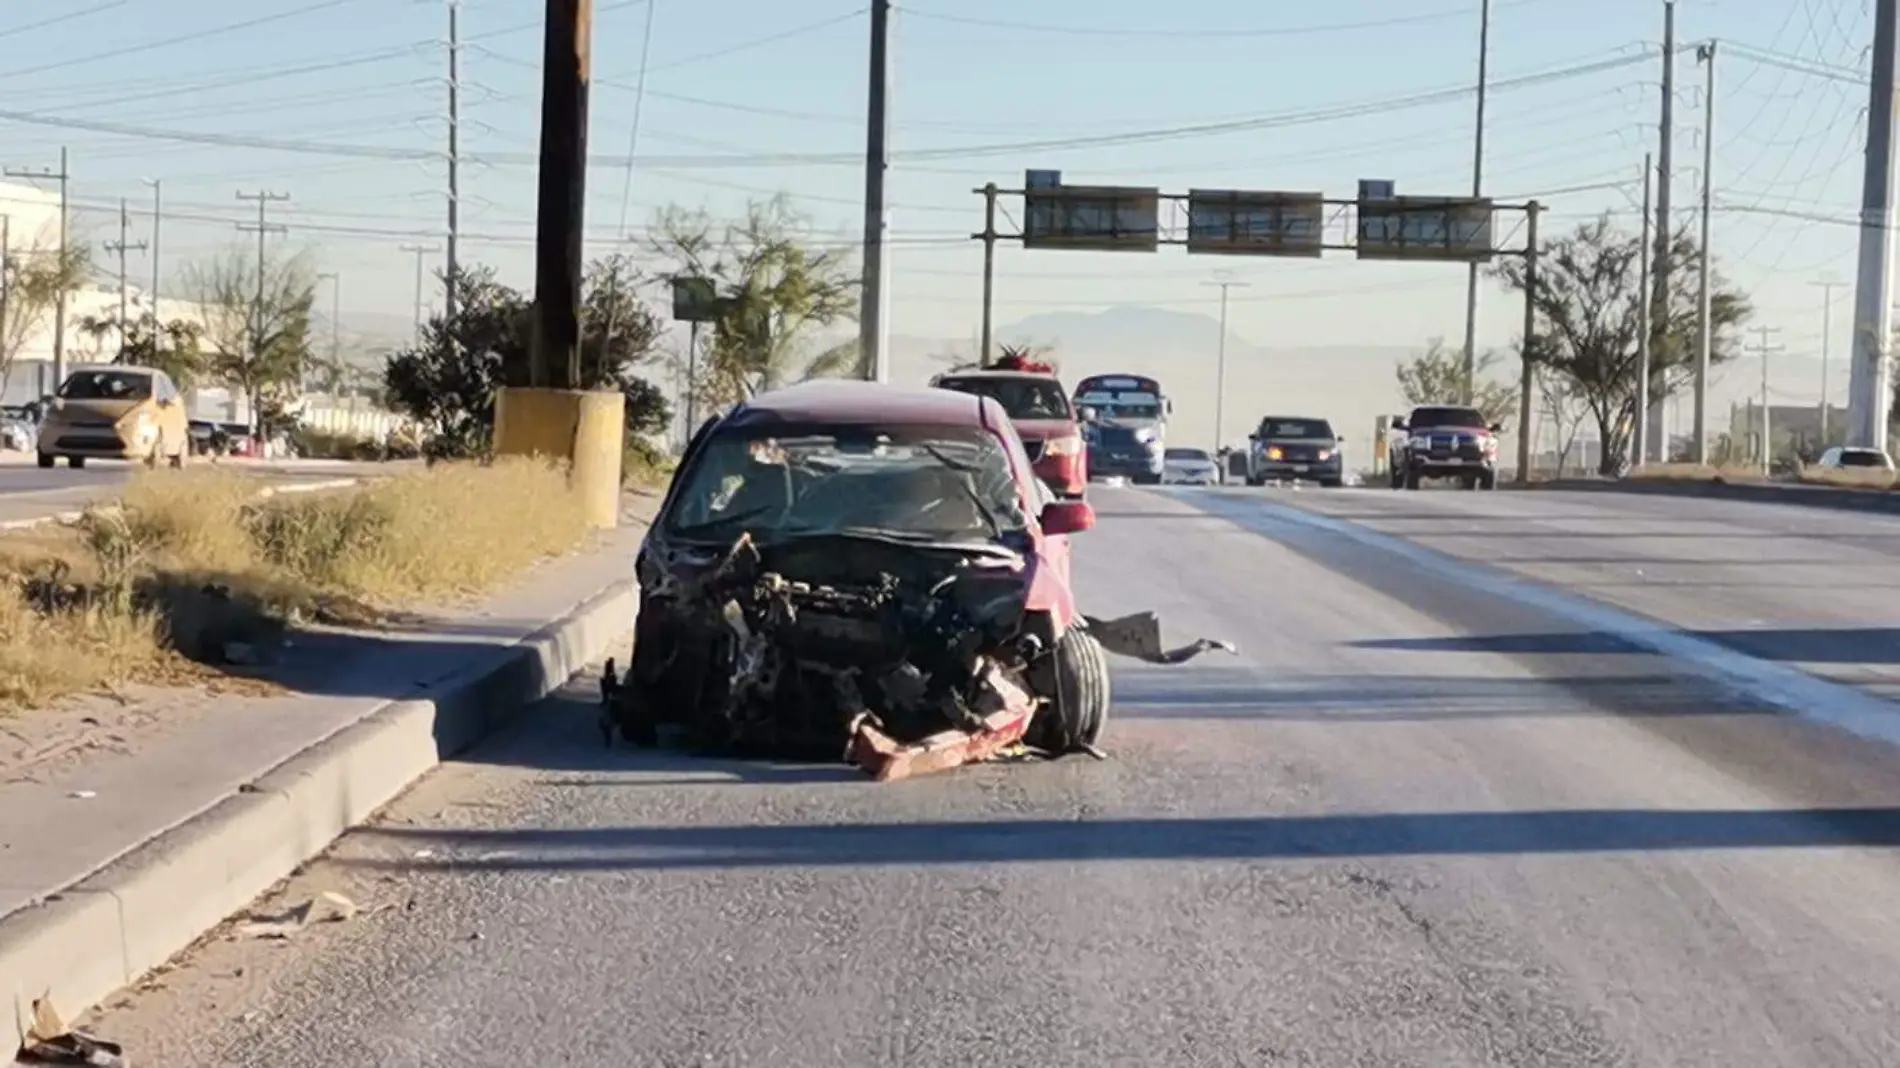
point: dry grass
(1843, 478)
(192, 561)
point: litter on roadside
(48, 1040)
(335, 909)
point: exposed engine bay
(908, 656)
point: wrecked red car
(845, 566)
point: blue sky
(746, 78)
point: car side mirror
(1497, 428)
(1085, 413)
(1339, 439)
(1067, 517)
(1398, 424)
(1253, 437)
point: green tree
(256, 331)
(1437, 376)
(1587, 307)
(777, 288)
(176, 347)
(36, 278)
(447, 381)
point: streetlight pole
(1827, 286)
(1477, 190)
(1220, 362)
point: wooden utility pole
(566, 68)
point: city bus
(1126, 425)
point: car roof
(994, 372)
(1295, 418)
(122, 368)
(854, 403)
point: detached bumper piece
(886, 759)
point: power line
(195, 37)
(1269, 31)
(64, 16)
(64, 177)
(1132, 137)
(761, 42)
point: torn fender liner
(1139, 636)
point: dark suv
(1295, 448)
(1444, 441)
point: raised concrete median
(119, 854)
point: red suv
(1045, 420)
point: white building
(31, 222)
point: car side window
(1832, 457)
(164, 390)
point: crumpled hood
(91, 411)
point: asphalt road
(27, 492)
(1428, 817)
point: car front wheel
(1078, 710)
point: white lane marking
(1786, 688)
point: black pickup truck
(1445, 441)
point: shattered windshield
(922, 483)
(107, 385)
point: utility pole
(121, 247)
(1828, 286)
(988, 237)
(1527, 377)
(420, 251)
(560, 212)
(1705, 323)
(1477, 190)
(1665, 175)
(455, 160)
(1763, 350)
(158, 335)
(872, 330)
(6, 269)
(1868, 398)
(64, 177)
(336, 317)
(1220, 363)
(1639, 433)
(263, 228)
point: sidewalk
(66, 822)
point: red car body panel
(1066, 473)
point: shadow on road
(1355, 835)
(1845, 645)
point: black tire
(1470, 482)
(1488, 480)
(1330, 483)
(1147, 480)
(46, 459)
(1252, 481)
(75, 462)
(1078, 711)
(1411, 480)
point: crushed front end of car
(889, 652)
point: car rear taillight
(1069, 446)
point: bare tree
(1587, 304)
(1437, 376)
(36, 278)
(1565, 411)
(256, 331)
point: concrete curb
(1800, 495)
(267, 491)
(107, 931)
